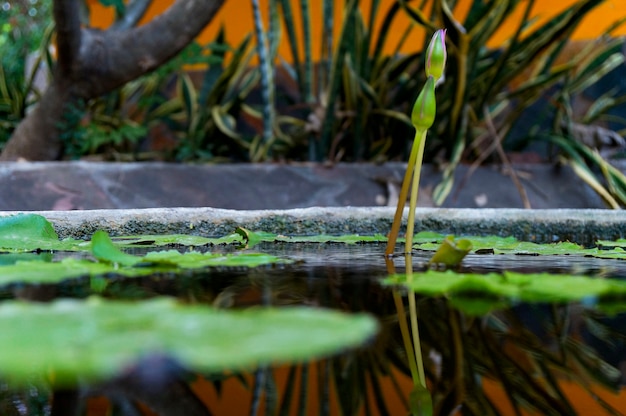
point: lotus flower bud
(425, 107)
(436, 55)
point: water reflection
(552, 359)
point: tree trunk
(93, 62)
(37, 136)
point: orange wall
(236, 16)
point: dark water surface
(552, 359)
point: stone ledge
(97, 185)
(581, 225)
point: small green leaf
(104, 250)
(451, 253)
(251, 238)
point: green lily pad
(510, 245)
(194, 260)
(31, 226)
(251, 238)
(151, 240)
(97, 339)
(620, 242)
(31, 232)
(534, 287)
(153, 263)
(104, 250)
(46, 272)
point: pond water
(550, 358)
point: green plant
(102, 126)
(478, 106)
(24, 35)
(350, 104)
(205, 119)
(200, 117)
(422, 117)
(576, 135)
(21, 33)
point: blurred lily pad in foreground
(513, 287)
(70, 340)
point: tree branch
(112, 58)
(135, 10)
(67, 20)
(92, 62)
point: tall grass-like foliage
(25, 32)
(349, 102)
(480, 103)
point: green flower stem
(418, 142)
(404, 191)
(406, 338)
(417, 347)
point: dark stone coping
(84, 185)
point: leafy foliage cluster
(352, 103)
(24, 32)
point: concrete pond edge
(584, 226)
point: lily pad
(46, 272)
(31, 232)
(103, 249)
(533, 287)
(151, 240)
(97, 339)
(428, 241)
(252, 238)
(194, 260)
(56, 272)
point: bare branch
(112, 58)
(67, 19)
(135, 10)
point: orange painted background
(236, 17)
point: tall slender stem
(404, 191)
(420, 140)
(417, 347)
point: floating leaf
(46, 272)
(31, 232)
(104, 250)
(97, 339)
(193, 260)
(620, 242)
(451, 253)
(253, 238)
(150, 240)
(511, 245)
(534, 287)
(31, 226)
